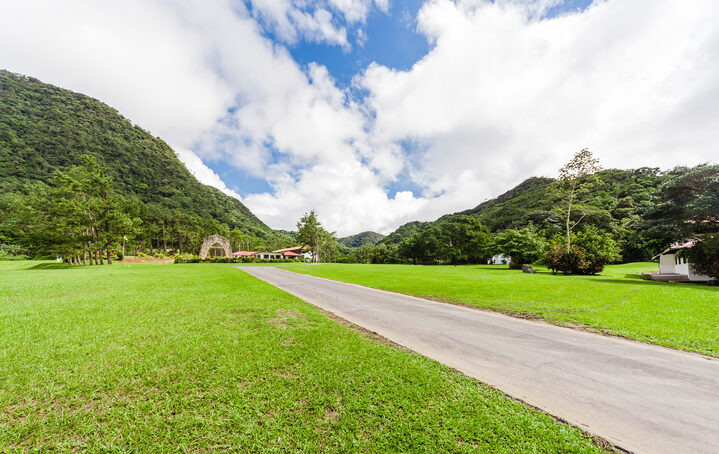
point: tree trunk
(179, 237)
(569, 215)
(84, 257)
(100, 254)
(109, 257)
(164, 238)
(150, 243)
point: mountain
(361, 238)
(405, 231)
(618, 195)
(43, 128)
(616, 204)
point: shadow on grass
(696, 285)
(50, 266)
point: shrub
(119, 255)
(141, 254)
(159, 255)
(591, 249)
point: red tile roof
(244, 253)
(291, 249)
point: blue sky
(390, 39)
(292, 105)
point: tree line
(587, 225)
(80, 217)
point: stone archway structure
(209, 241)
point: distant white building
(499, 259)
(673, 266)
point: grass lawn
(684, 316)
(200, 358)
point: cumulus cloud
(505, 93)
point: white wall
(666, 263)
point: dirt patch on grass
(286, 318)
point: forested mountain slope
(44, 128)
(359, 239)
(615, 204)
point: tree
(524, 245)
(77, 215)
(310, 233)
(463, 239)
(574, 186)
(688, 204)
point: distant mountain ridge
(43, 128)
(359, 239)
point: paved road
(643, 398)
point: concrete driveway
(643, 398)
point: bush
(591, 249)
(159, 255)
(141, 254)
(119, 255)
(188, 258)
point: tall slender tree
(576, 180)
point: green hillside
(44, 128)
(361, 238)
(616, 205)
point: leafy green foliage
(454, 240)
(704, 256)
(524, 246)
(589, 251)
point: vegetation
(163, 358)
(44, 129)
(323, 244)
(689, 208)
(524, 246)
(683, 316)
(361, 239)
(574, 186)
(189, 258)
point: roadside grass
(198, 358)
(618, 302)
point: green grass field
(202, 358)
(684, 316)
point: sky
(379, 112)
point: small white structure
(673, 266)
(499, 259)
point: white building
(673, 266)
(499, 259)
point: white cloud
(290, 21)
(503, 94)
(204, 174)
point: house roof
(244, 253)
(684, 244)
(291, 254)
(292, 249)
